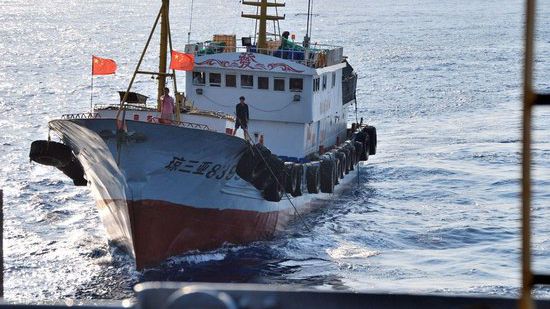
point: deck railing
(183, 124)
(314, 56)
(81, 116)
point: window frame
(316, 84)
(235, 80)
(251, 80)
(219, 84)
(296, 89)
(275, 79)
(258, 82)
(203, 78)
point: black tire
(290, 177)
(342, 162)
(50, 153)
(337, 166)
(75, 171)
(336, 171)
(273, 192)
(327, 174)
(360, 151)
(362, 138)
(346, 159)
(312, 178)
(352, 156)
(261, 178)
(260, 149)
(246, 164)
(299, 170)
(278, 168)
(373, 139)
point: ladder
(531, 99)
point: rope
(256, 108)
(278, 183)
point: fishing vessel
(165, 187)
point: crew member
(241, 110)
(287, 44)
(166, 107)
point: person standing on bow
(166, 107)
(241, 110)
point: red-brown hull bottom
(162, 229)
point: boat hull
(163, 190)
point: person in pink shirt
(166, 107)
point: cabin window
(198, 78)
(230, 80)
(215, 79)
(279, 84)
(316, 84)
(296, 84)
(333, 79)
(263, 82)
(247, 81)
(324, 82)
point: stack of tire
(269, 174)
(60, 156)
(273, 177)
(365, 142)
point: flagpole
(92, 91)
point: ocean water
(435, 211)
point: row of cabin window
(247, 81)
(317, 82)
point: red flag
(103, 66)
(182, 61)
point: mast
(262, 18)
(163, 50)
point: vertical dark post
(163, 50)
(528, 99)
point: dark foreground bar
(204, 295)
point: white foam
(350, 251)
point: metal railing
(183, 124)
(314, 56)
(81, 116)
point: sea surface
(435, 211)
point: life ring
(299, 170)
(312, 177)
(50, 153)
